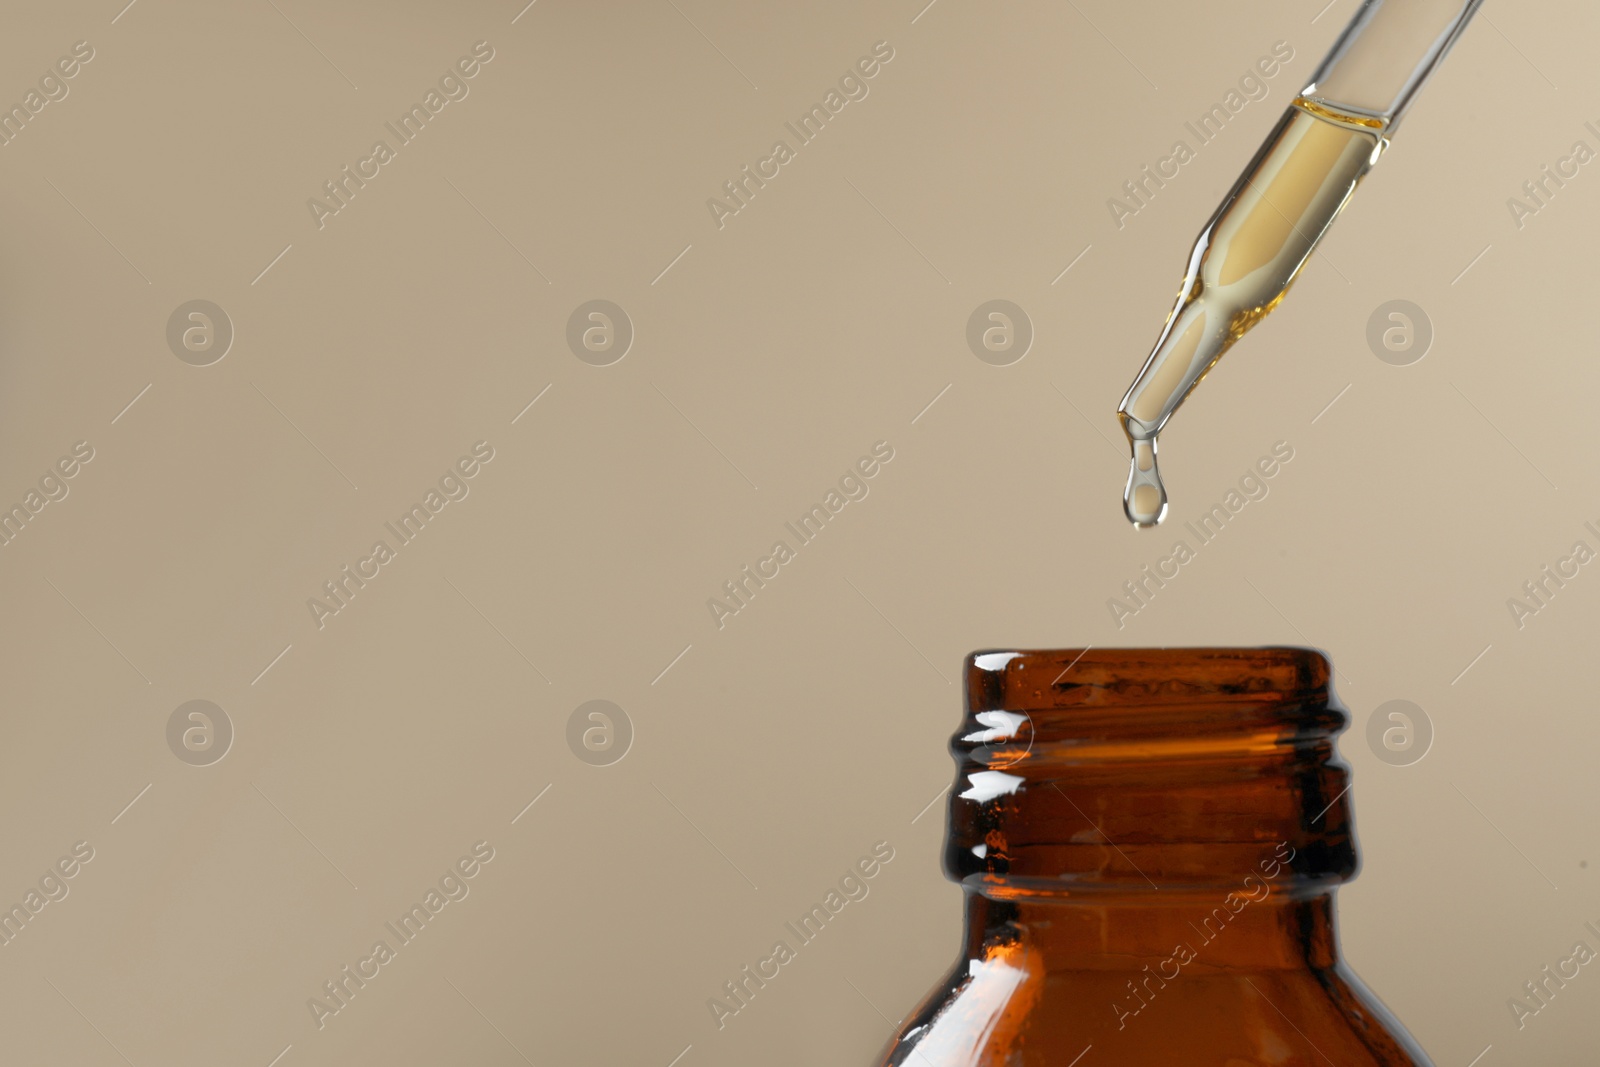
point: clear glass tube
(1385, 55)
(1254, 247)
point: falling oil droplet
(1145, 498)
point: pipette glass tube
(1251, 250)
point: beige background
(825, 316)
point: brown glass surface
(1150, 841)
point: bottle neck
(1123, 803)
(1262, 928)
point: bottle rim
(1056, 708)
(1033, 680)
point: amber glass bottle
(1150, 841)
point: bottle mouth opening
(1043, 680)
(1042, 711)
(1087, 687)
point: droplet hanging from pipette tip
(1145, 498)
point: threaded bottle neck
(1127, 773)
